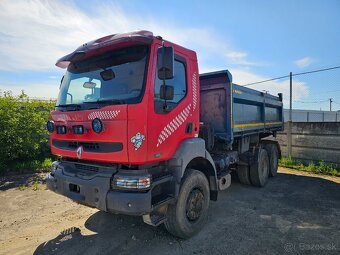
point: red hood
(109, 145)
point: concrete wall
(313, 141)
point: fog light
(79, 130)
(131, 182)
(61, 130)
(97, 125)
(50, 126)
(54, 167)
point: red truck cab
(136, 127)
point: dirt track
(295, 213)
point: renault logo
(79, 152)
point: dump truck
(138, 131)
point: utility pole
(289, 131)
(330, 104)
(290, 95)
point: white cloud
(237, 56)
(303, 62)
(240, 58)
(300, 89)
(34, 34)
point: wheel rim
(194, 206)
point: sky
(254, 40)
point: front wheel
(188, 216)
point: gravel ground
(296, 213)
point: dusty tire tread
(255, 171)
(272, 151)
(175, 214)
(243, 174)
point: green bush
(23, 134)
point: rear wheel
(273, 154)
(243, 174)
(188, 216)
(259, 170)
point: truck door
(170, 121)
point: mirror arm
(165, 104)
(61, 81)
(70, 97)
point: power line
(311, 102)
(294, 74)
(278, 78)
(316, 71)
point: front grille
(87, 167)
(90, 162)
(88, 146)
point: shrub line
(319, 168)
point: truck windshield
(117, 77)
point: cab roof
(114, 41)
(104, 44)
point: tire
(273, 154)
(188, 216)
(259, 170)
(243, 174)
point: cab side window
(180, 89)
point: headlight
(50, 126)
(78, 129)
(97, 125)
(131, 182)
(61, 130)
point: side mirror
(165, 63)
(167, 92)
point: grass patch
(23, 187)
(35, 185)
(319, 168)
(36, 165)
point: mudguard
(189, 150)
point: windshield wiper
(114, 101)
(76, 107)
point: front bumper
(95, 191)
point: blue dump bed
(235, 111)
